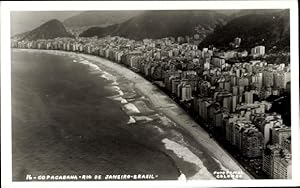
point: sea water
(69, 117)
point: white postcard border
(6, 157)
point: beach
(158, 124)
(167, 106)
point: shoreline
(80, 133)
(162, 103)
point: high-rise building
(196, 36)
(238, 73)
(224, 98)
(203, 108)
(218, 119)
(233, 80)
(235, 90)
(186, 92)
(287, 79)
(283, 167)
(249, 97)
(258, 51)
(257, 80)
(252, 142)
(237, 41)
(287, 144)
(241, 90)
(229, 121)
(180, 39)
(243, 81)
(281, 78)
(268, 78)
(234, 103)
(266, 126)
(238, 128)
(280, 133)
(179, 90)
(175, 83)
(247, 114)
(227, 86)
(288, 87)
(277, 162)
(227, 102)
(206, 66)
(269, 155)
(204, 88)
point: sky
(23, 21)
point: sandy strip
(187, 155)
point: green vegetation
(271, 30)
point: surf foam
(116, 88)
(131, 108)
(121, 99)
(108, 76)
(131, 120)
(143, 118)
(159, 129)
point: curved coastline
(171, 109)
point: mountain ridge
(269, 27)
(162, 23)
(271, 30)
(49, 30)
(99, 18)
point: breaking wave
(131, 108)
(131, 120)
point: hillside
(23, 21)
(271, 29)
(99, 18)
(158, 24)
(49, 30)
(20, 36)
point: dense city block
(235, 94)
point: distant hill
(270, 29)
(49, 30)
(162, 23)
(20, 36)
(99, 18)
(244, 12)
(23, 21)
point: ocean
(71, 116)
